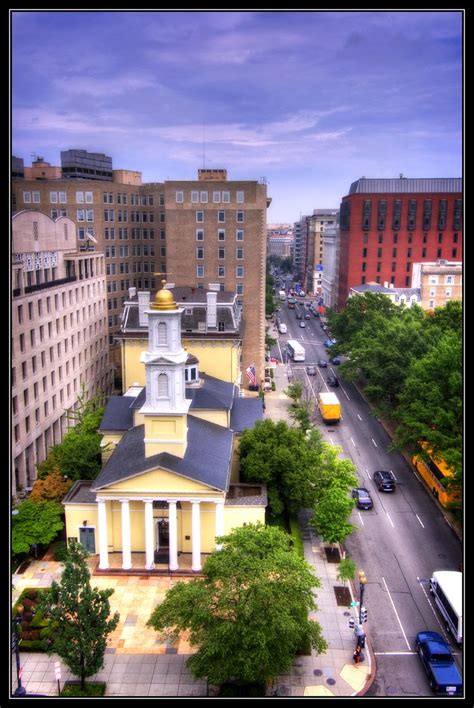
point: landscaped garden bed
(35, 628)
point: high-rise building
(59, 335)
(386, 225)
(216, 239)
(81, 164)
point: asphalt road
(399, 543)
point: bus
(435, 473)
(295, 350)
(446, 586)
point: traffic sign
(354, 603)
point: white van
(282, 328)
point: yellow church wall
(235, 462)
(108, 444)
(217, 417)
(76, 514)
(208, 527)
(133, 369)
(159, 479)
(236, 516)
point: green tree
(295, 391)
(331, 515)
(37, 522)
(281, 457)
(333, 471)
(431, 402)
(249, 614)
(359, 309)
(346, 570)
(81, 616)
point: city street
(398, 543)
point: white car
(282, 328)
(302, 323)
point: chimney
(143, 304)
(211, 312)
(385, 283)
(132, 292)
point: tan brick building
(59, 335)
(439, 282)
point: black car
(336, 361)
(299, 315)
(384, 480)
(332, 380)
(362, 497)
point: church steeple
(166, 407)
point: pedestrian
(357, 656)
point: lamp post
(20, 690)
(362, 582)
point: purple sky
(309, 100)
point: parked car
(362, 497)
(299, 315)
(302, 323)
(311, 370)
(324, 327)
(282, 328)
(307, 316)
(332, 380)
(322, 363)
(336, 361)
(442, 671)
(384, 480)
(328, 343)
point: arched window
(162, 333)
(162, 385)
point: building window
(27, 197)
(426, 214)
(439, 253)
(440, 238)
(221, 271)
(239, 198)
(162, 386)
(455, 238)
(379, 253)
(239, 235)
(203, 196)
(216, 197)
(221, 234)
(408, 267)
(36, 197)
(162, 333)
(456, 218)
(221, 253)
(377, 279)
(449, 280)
(179, 197)
(239, 272)
(194, 197)
(382, 213)
(447, 292)
(379, 265)
(239, 253)
(363, 280)
(443, 209)
(199, 216)
(221, 217)
(423, 253)
(239, 216)
(200, 253)
(366, 213)
(364, 267)
(200, 271)
(410, 238)
(239, 289)
(364, 253)
(394, 252)
(226, 197)
(454, 253)
(53, 197)
(411, 225)
(199, 234)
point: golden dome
(164, 300)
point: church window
(162, 338)
(162, 386)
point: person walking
(357, 656)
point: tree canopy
(80, 614)
(54, 487)
(37, 522)
(248, 616)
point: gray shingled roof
(406, 185)
(118, 413)
(376, 288)
(214, 394)
(207, 457)
(245, 413)
(80, 493)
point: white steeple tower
(166, 407)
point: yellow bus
(434, 473)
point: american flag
(251, 374)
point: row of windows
(134, 267)
(380, 238)
(203, 197)
(60, 303)
(135, 199)
(239, 234)
(408, 253)
(136, 234)
(239, 271)
(239, 253)
(411, 214)
(239, 216)
(45, 332)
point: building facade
(169, 485)
(439, 282)
(59, 335)
(330, 272)
(387, 225)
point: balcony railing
(48, 284)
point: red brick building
(386, 225)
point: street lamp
(362, 582)
(20, 690)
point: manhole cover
(331, 681)
(347, 614)
(317, 672)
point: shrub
(59, 551)
(90, 689)
(273, 386)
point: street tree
(334, 471)
(248, 615)
(37, 522)
(330, 518)
(53, 487)
(346, 571)
(81, 616)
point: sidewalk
(137, 663)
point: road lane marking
(442, 627)
(360, 518)
(419, 520)
(374, 442)
(396, 480)
(396, 613)
(395, 653)
(359, 417)
(388, 517)
(352, 441)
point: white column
(173, 531)
(126, 552)
(196, 531)
(219, 521)
(149, 539)
(103, 542)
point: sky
(308, 101)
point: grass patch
(73, 689)
(295, 532)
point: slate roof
(214, 394)
(80, 493)
(245, 413)
(396, 292)
(207, 457)
(118, 413)
(406, 185)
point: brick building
(386, 225)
